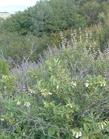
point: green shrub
(51, 16)
(4, 68)
(66, 97)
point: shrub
(4, 68)
(66, 97)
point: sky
(12, 6)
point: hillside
(54, 71)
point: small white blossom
(103, 84)
(105, 124)
(18, 103)
(23, 133)
(46, 94)
(27, 104)
(101, 126)
(49, 93)
(2, 119)
(74, 84)
(86, 84)
(78, 134)
(69, 105)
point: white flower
(18, 103)
(78, 134)
(2, 119)
(23, 133)
(101, 126)
(46, 94)
(69, 105)
(103, 84)
(86, 84)
(49, 93)
(74, 84)
(27, 104)
(57, 86)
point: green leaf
(51, 131)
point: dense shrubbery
(54, 77)
(39, 27)
(15, 48)
(56, 15)
(65, 97)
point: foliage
(25, 35)
(57, 15)
(54, 73)
(16, 48)
(4, 68)
(66, 97)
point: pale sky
(15, 5)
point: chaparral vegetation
(54, 71)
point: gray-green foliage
(55, 15)
(16, 48)
(40, 26)
(66, 97)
